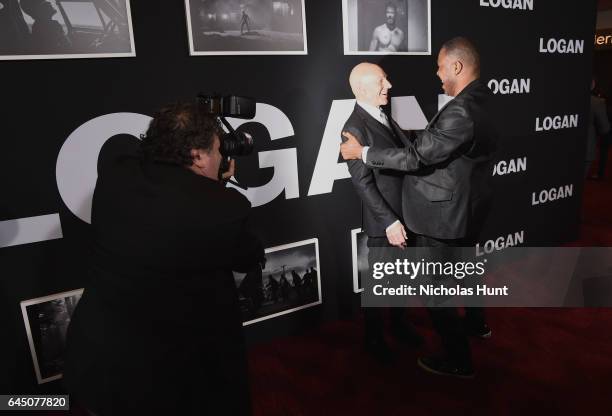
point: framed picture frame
(359, 249)
(46, 321)
(264, 27)
(386, 27)
(65, 29)
(289, 282)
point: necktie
(383, 119)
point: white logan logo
(500, 243)
(512, 166)
(76, 176)
(553, 194)
(557, 122)
(508, 4)
(514, 86)
(552, 45)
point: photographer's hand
(230, 170)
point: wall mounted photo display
(387, 27)
(65, 29)
(359, 248)
(257, 27)
(46, 321)
(289, 282)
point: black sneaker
(444, 367)
(482, 332)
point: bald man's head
(369, 84)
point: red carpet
(539, 361)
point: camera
(233, 143)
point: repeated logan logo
(510, 86)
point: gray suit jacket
(447, 193)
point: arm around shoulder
(435, 144)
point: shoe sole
(482, 336)
(439, 373)
(485, 336)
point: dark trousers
(447, 321)
(587, 168)
(373, 317)
(604, 145)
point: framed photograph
(387, 27)
(62, 29)
(289, 282)
(253, 27)
(46, 320)
(359, 244)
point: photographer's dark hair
(177, 129)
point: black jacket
(447, 193)
(380, 190)
(158, 329)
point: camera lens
(236, 144)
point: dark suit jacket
(380, 190)
(158, 329)
(446, 194)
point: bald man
(445, 193)
(380, 192)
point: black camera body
(228, 106)
(233, 143)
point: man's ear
(458, 67)
(198, 157)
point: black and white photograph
(387, 27)
(246, 27)
(46, 321)
(65, 29)
(289, 281)
(359, 244)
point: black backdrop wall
(43, 102)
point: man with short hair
(388, 37)
(380, 193)
(446, 196)
(159, 329)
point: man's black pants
(373, 317)
(447, 322)
(604, 145)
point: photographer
(158, 329)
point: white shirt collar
(370, 109)
(375, 112)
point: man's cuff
(364, 153)
(387, 229)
